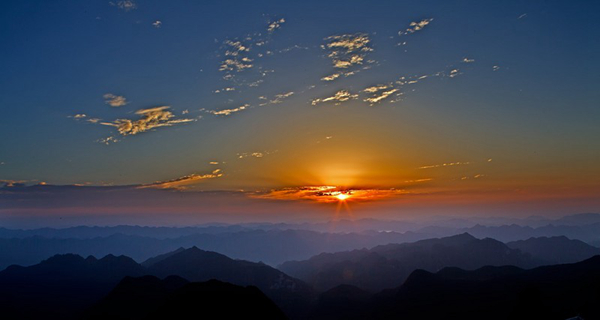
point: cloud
(280, 97)
(235, 64)
(114, 100)
(331, 77)
(495, 68)
(125, 5)
(93, 120)
(454, 73)
(379, 95)
(449, 164)
(415, 26)
(157, 24)
(107, 140)
(275, 25)
(183, 182)
(346, 52)
(330, 194)
(338, 97)
(467, 60)
(150, 119)
(251, 154)
(12, 183)
(227, 89)
(227, 112)
(78, 116)
(235, 48)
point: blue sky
(511, 81)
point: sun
(342, 196)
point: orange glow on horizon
(331, 194)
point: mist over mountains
(274, 244)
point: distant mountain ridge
(387, 266)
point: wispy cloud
(467, 60)
(275, 25)
(157, 24)
(338, 97)
(449, 164)
(227, 112)
(415, 26)
(280, 97)
(183, 182)
(379, 93)
(150, 119)
(114, 100)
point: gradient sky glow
(156, 112)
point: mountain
(150, 261)
(175, 298)
(388, 265)
(61, 286)
(196, 265)
(555, 292)
(555, 250)
(271, 246)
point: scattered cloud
(125, 5)
(150, 119)
(275, 25)
(107, 140)
(346, 52)
(94, 120)
(495, 68)
(157, 24)
(183, 182)
(467, 60)
(227, 112)
(522, 16)
(415, 26)
(256, 154)
(214, 162)
(114, 100)
(227, 89)
(338, 97)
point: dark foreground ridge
(175, 298)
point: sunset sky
(179, 112)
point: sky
(184, 112)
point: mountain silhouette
(388, 266)
(61, 286)
(175, 298)
(549, 292)
(196, 265)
